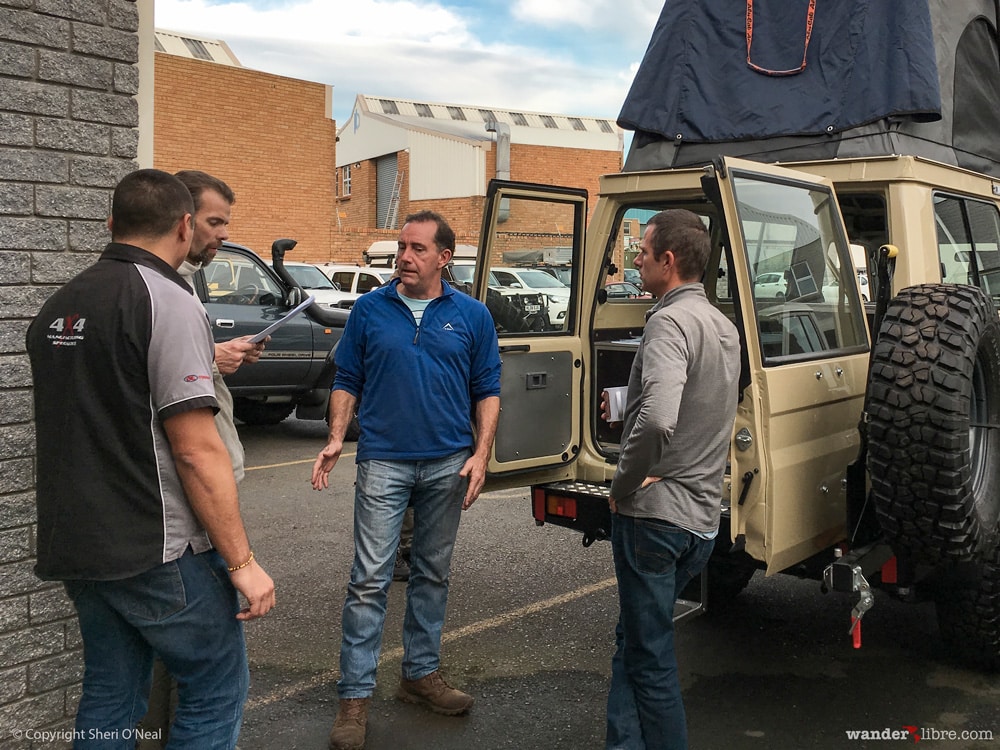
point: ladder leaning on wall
(392, 212)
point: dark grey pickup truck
(242, 295)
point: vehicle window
(504, 278)
(806, 298)
(367, 282)
(968, 234)
(248, 284)
(532, 232)
(310, 277)
(344, 279)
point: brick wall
(548, 165)
(267, 136)
(68, 133)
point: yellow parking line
(489, 623)
(292, 463)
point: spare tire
(933, 410)
(968, 612)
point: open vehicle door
(538, 323)
(807, 358)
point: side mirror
(294, 297)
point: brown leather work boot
(348, 731)
(432, 691)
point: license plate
(532, 308)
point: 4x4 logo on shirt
(68, 330)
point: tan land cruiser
(866, 447)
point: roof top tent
(787, 80)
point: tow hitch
(848, 574)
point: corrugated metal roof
(197, 48)
(469, 121)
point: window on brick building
(196, 48)
(519, 119)
(456, 113)
(487, 115)
(548, 122)
(345, 174)
(424, 110)
(389, 107)
(605, 126)
(577, 123)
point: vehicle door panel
(541, 380)
(796, 426)
(246, 301)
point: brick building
(397, 156)
(271, 138)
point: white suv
(355, 280)
(318, 284)
(555, 292)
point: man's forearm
(342, 406)
(487, 417)
(206, 474)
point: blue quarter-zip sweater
(417, 387)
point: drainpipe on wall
(502, 130)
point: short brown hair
(683, 233)
(444, 236)
(198, 182)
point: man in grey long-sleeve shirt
(665, 496)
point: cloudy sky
(562, 56)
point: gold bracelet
(243, 565)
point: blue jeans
(384, 489)
(654, 561)
(184, 612)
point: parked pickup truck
(242, 296)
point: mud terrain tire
(968, 614)
(933, 407)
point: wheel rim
(980, 426)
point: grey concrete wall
(68, 133)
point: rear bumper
(581, 506)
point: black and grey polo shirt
(114, 353)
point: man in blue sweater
(423, 360)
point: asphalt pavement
(530, 633)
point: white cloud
(413, 49)
(318, 20)
(607, 16)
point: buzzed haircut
(444, 235)
(685, 235)
(197, 182)
(148, 203)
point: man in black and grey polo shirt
(137, 505)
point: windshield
(539, 279)
(310, 277)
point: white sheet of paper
(615, 398)
(281, 321)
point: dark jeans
(185, 613)
(654, 560)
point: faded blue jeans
(384, 489)
(184, 612)
(654, 561)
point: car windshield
(310, 277)
(464, 273)
(539, 279)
